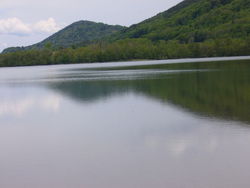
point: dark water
(153, 124)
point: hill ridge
(191, 29)
(79, 33)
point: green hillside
(77, 34)
(193, 28)
(195, 21)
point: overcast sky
(25, 22)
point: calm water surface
(127, 125)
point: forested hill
(193, 28)
(77, 34)
(195, 21)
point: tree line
(128, 49)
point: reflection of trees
(88, 91)
(223, 92)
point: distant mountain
(77, 34)
(189, 21)
(195, 21)
(191, 29)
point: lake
(174, 123)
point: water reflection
(15, 101)
(219, 89)
(140, 143)
(159, 126)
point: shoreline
(141, 62)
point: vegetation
(195, 21)
(127, 49)
(77, 34)
(193, 28)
